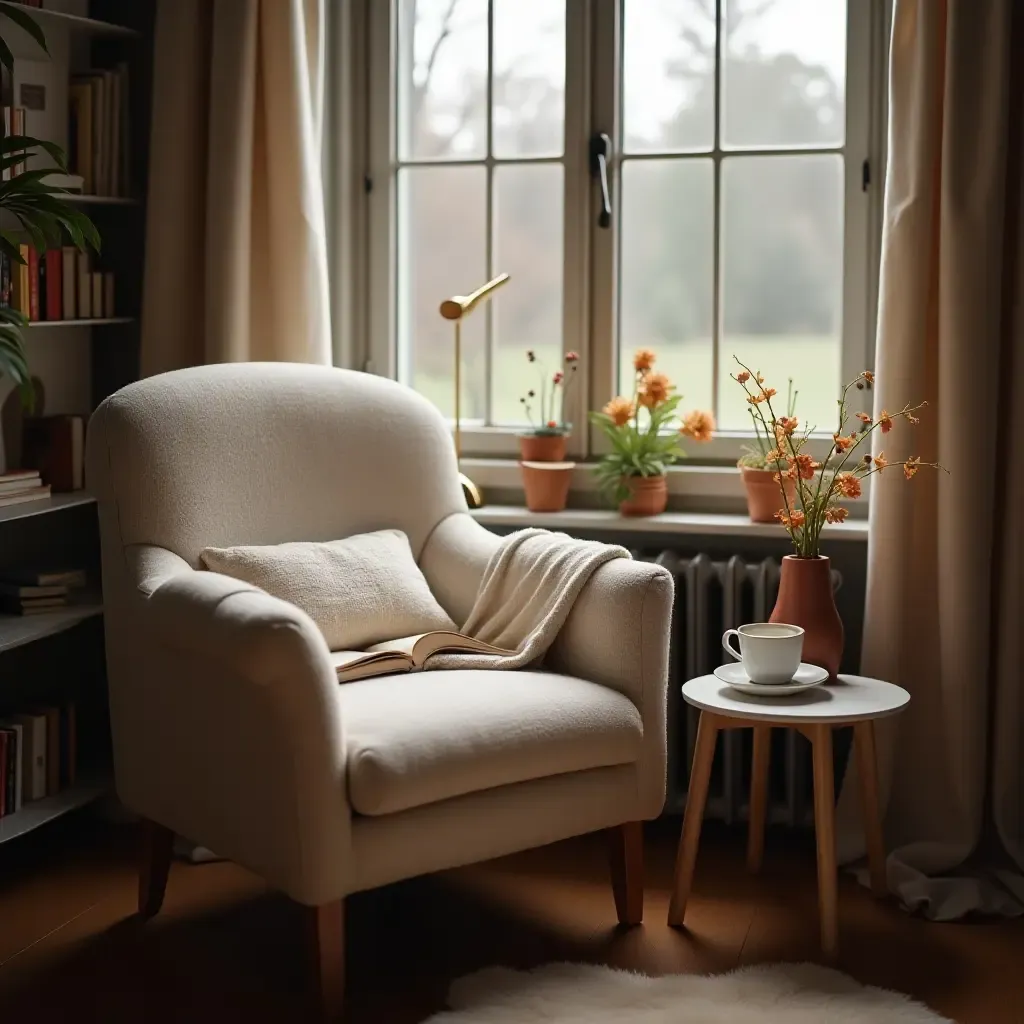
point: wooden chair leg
(696, 799)
(154, 866)
(825, 833)
(327, 941)
(626, 854)
(867, 766)
(758, 796)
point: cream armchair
(229, 726)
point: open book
(409, 654)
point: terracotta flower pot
(546, 484)
(764, 495)
(806, 599)
(542, 447)
(648, 496)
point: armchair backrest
(261, 453)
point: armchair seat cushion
(421, 737)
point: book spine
(33, 283)
(43, 274)
(108, 293)
(97, 294)
(23, 289)
(84, 287)
(69, 279)
(5, 281)
(54, 289)
(52, 751)
(18, 127)
(3, 774)
(37, 786)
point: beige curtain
(236, 256)
(944, 614)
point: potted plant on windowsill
(644, 432)
(805, 589)
(759, 477)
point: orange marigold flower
(843, 443)
(881, 461)
(792, 521)
(620, 410)
(643, 359)
(911, 466)
(885, 422)
(787, 424)
(654, 389)
(863, 417)
(552, 424)
(804, 465)
(836, 514)
(868, 376)
(698, 424)
(848, 484)
(743, 376)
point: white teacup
(770, 651)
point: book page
(351, 665)
(420, 647)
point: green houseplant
(30, 210)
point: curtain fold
(236, 251)
(944, 613)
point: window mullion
(716, 233)
(489, 224)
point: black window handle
(600, 151)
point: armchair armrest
(618, 634)
(228, 724)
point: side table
(852, 700)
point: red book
(54, 293)
(33, 283)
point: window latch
(600, 151)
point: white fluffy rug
(583, 994)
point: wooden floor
(226, 949)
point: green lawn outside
(813, 362)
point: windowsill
(701, 523)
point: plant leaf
(23, 20)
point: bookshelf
(51, 658)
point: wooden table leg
(696, 798)
(825, 833)
(867, 766)
(758, 796)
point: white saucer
(806, 677)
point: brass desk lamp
(455, 309)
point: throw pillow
(359, 591)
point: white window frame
(592, 100)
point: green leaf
(6, 57)
(17, 14)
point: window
(741, 220)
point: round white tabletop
(851, 699)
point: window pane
(529, 78)
(442, 79)
(442, 244)
(668, 75)
(666, 271)
(528, 311)
(782, 277)
(783, 81)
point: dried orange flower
(868, 376)
(760, 379)
(792, 521)
(848, 484)
(843, 443)
(743, 376)
(654, 389)
(836, 514)
(863, 417)
(643, 359)
(804, 465)
(885, 422)
(698, 424)
(911, 466)
(775, 455)
(768, 392)
(911, 418)
(787, 424)
(881, 461)
(756, 399)
(620, 410)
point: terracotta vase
(806, 599)
(546, 485)
(648, 496)
(764, 496)
(542, 447)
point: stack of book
(22, 485)
(98, 131)
(38, 755)
(59, 284)
(32, 592)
